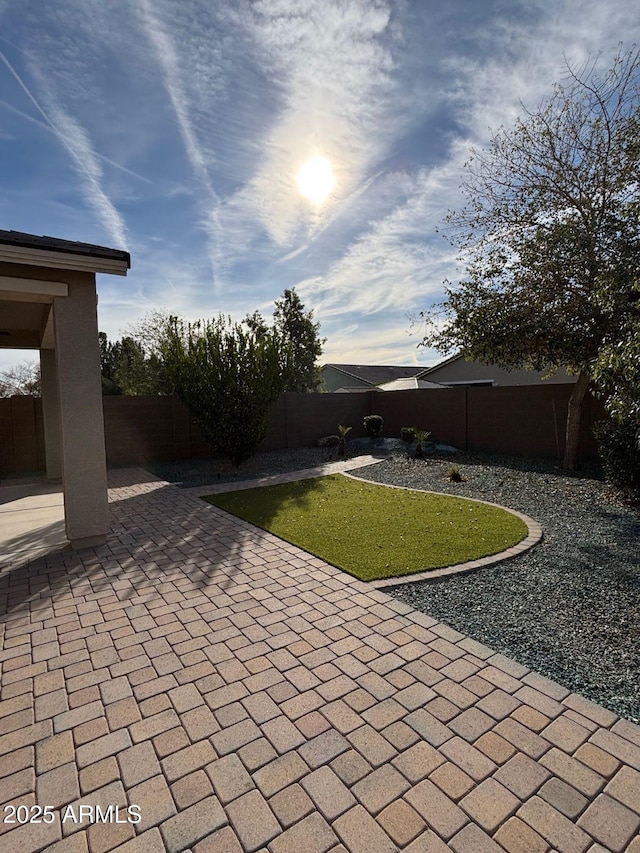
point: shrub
(619, 449)
(408, 434)
(374, 424)
(229, 379)
(454, 475)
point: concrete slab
(31, 521)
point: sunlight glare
(316, 179)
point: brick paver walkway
(247, 696)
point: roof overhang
(62, 260)
(26, 301)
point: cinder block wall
(21, 435)
(442, 412)
(524, 420)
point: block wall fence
(526, 421)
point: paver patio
(247, 696)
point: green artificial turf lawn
(372, 531)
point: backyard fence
(526, 420)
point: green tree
(550, 235)
(617, 372)
(256, 323)
(229, 378)
(298, 329)
(108, 365)
(149, 332)
(133, 365)
(617, 368)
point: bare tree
(21, 380)
(550, 234)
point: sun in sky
(316, 179)
(315, 145)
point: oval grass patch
(373, 531)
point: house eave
(62, 260)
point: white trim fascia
(15, 288)
(61, 260)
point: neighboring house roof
(374, 374)
(68, 247)
(426, 371)
(457, 370)
(409, 384)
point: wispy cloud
(399, 260)
(186, 124)
(526, 57)
(331, 67)
(169, 62)
(49, 129)
(75, 140)
(369, 342)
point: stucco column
(84, 470)
(51, 415)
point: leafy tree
(150, 330)
(108, 365)
(297, 328)
(617, 372)
(131, 368)
(229, 378)
(133, 365)
(550, 235)
(256, 323)
(21, 380)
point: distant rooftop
(68, 247)
(426, 370)
(408, 384)
(376, 374)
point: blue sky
(175, 129)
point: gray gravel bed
(190, 473)
(570, 608)
(202, 472)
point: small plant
(374, 425)
(454, 475)
(421, 435)
(343, 431)
(408, 434)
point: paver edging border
(533, 537)
(322, 470)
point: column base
(87, 542)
